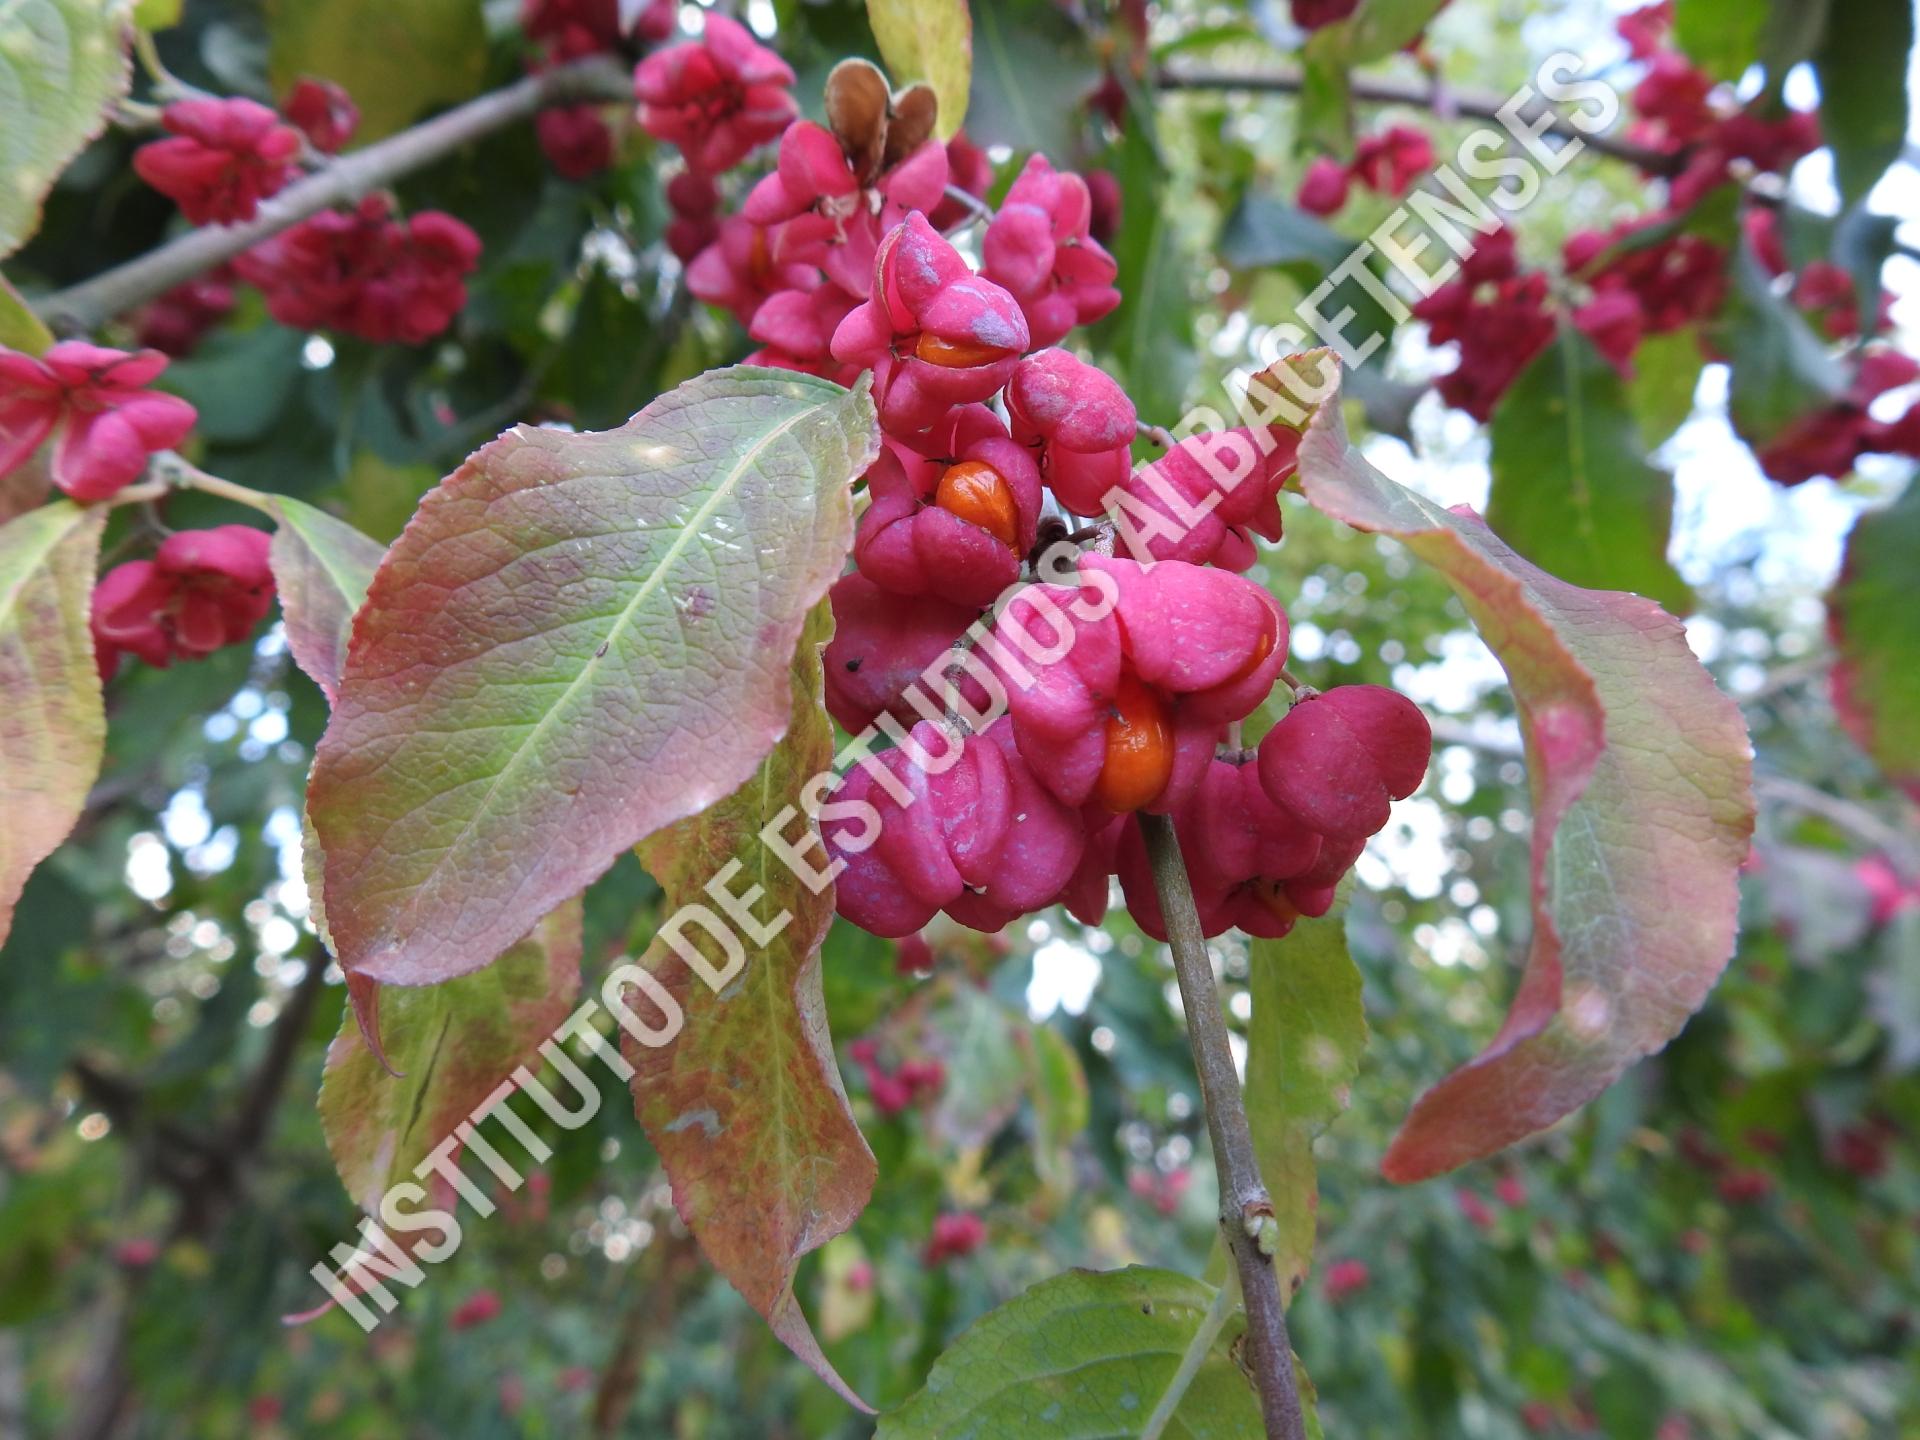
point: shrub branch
(86, 306)
(1246, 1209)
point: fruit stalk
(1245, 1207)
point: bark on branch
(86, 306)
(1245, 1206)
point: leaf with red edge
(1876, 681)
(53, 725)
(745, 1104)
(579, 638)
(321, 570)
(452, 1046)
(1643, 812)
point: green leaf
(1572, 489)
(1792, 34)
(1326, 98)
(379, 497)
(395, 60)
(977, 1036)
(1061, 1108)
(321, 570)
(1084, 1354)
(1375, 30)
(745, 1104)
(1863, 241)
(1876, 682)
(1643, 812)
(240, 382)
(1666, 374)
(1303, 1052)
(157, 14)
(1267, 232)
(53, 727)
(1862, 66)
(62, 63)
(1781, 371)
(1149, 339)
(1032, 71)
(1379, 28)
(930, 40)
(451, 1045)
(1722, 37)
(572, 645)
(20, 328)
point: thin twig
(1246, 1210)
(1855, 819)
(1448, 104)
(981, 210)
(85, 306)
(207, 1186)
(141, 494)
(1376, 90)
(189, 476)
(166, 85)
(251, 1126)
(1895, 844)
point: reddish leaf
(363, 999)
(321, 568)
(1876, 682)
(1643, 813)
(52, 725)
(744, 1103)
(579, 638)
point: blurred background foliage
(1723, 1246)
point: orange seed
(979, 495)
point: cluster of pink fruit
(1387, 163)
(92, 407)
(1073, 703)
(360, 271)
(897, 1087)
(1655, 274)
(801, 255)
(577, 140)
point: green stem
(191, 477)
(1197, 1350)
